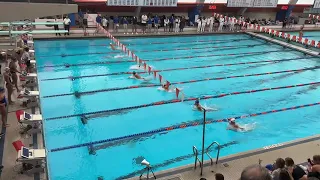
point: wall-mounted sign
(284, 8)
(164, 3)
(252, 3)
(212, 7)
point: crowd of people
(282, 169)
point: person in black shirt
(297, 172)
(134, 24)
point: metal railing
(196, 153)
(218, 153)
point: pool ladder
(207, 150)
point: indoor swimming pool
(265, 86)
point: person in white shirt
(199, 21)
(231, 22)
(176, 24)
(211, 22)
(203, 24)
(104, 22)
(166, 24)
(144, 19)
(221, 23)
(66, 22)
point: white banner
(240, 3)
(316, 4)
(164, 3)
(265, 3)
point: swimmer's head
(196, 102)
(232, 120)
(133, 72)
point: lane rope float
(174, 69)
(161, 59)
(182, 82)
(172, 101)
(192, 42)
(181, 126)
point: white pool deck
(230, 166)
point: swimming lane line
(176, 69)
(172, 101)
(181, 126)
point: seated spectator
(280, 163)
(315, 167)
(255, 172)
(285, 174)
(297, 172)
(219, 176)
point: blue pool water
(121, 159)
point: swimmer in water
(112, 46)
(165, 87)
(136, 75)
(233, 125)
(198, 106)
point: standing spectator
(25, 58)
(9, 85)
(171, 21)
(166, 24)
(104, 22)
(297, 172)
(3, 107)
(134, 24)
(203, 24)
(85, 21)
(280, 163)
(14, 71)
(285, 174)
(66, 22)
(199, 21)
(221, 23)
(255, 172)
(116, 23)
(211, 22)
(125, 25)
(149, 24)
(56, 26)
(219, 176)
(144, 19)
(176, 24)
(284, 23)
(156, 21)
(232, 24)
(182, 23)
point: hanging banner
(157, 3)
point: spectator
(171, 21)
(221, 23)
(182, 23)
(203, 24)
(176, 24)
(166, 24)
(104, 22)
(134, 24)
(3, 107)
(285, 174)
(149, 24)
(280, 163)
(125, 25)
(9, 86)
(284, 23)
(297, 172)
(56, 26)
(144, 19)
(25, 58)
(85, 21)
(255, 172)
(199, 21)
(231, 22)
(315, 167)
(211, 22)
(156, 21)
(66, 22)
(99, 19)
(219, 176)
(116, 23)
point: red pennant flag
(272, 31)
(288, 36)
(313, 43)
(155, 74)
(294, 38)
(149, 69)
(310, 15)
(277, 33)
(144, 66)
(160, 78)
(318, 45)
(136, 58)
(140, 61)
(283, 35)
(306, 41)
(300, 39)
(177, 92)
(168, 84)
(132, 54)
(263, 29)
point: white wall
(225, 1)
(260, 15)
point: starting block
(33, 160)
(32, 98)
(30, 75)
(33, 123)
(31, 83)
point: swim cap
(196, 102)
(232, 119)
(133, 72)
